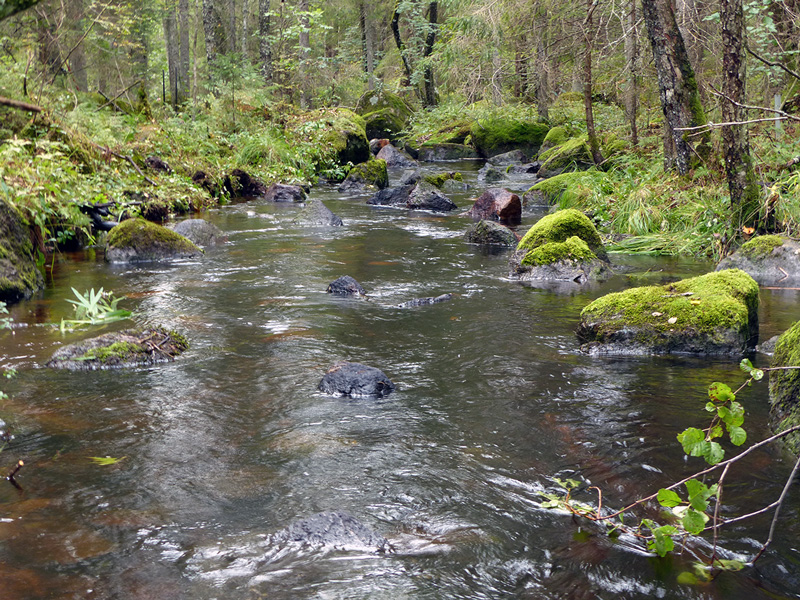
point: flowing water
(232, 442)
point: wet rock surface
(200, 232)
(355, 380)
(19, 276)
(770, 260)
(137, 240)
(335, 530)
(425, 301)
(346, 286)
(395, 158)
(282, 192)
(240, 184)
(491, 233)
(316, 214)
(497, 204)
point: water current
(232, 442)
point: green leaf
(695, 488)
(688, 578)
(719, 392)
(714, 454)
(715, 432)
(694, 521)
(728, 565)
(711, 407)
(757, 374)
(746, 365)
(738, 435)
(693, 441)
(668, 498)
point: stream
(232, 442)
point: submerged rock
(336, 530)
(128, 348)
(784, 386)
(769, 259)
(355, 379)
(317, 214)
(425, 301)
(137, 240)
(491, 174)
(395, 158)
(346, 286)
(199, 232)
(19, 276)
(714, 314)
(490, 233)
(497, 204)
(284, 192)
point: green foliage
(95, 308)
(573, 248)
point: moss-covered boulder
(345, 135)
(784, 386)
(497, 136)
(128, 348)
(714, 314)
(769, 259)
(555, 137)
(137, 240)
(385, 114)
(433, 152)
(569, 188)
(365, 177)
(561, 247)
(440, 179)
(395, 158)
(19, 276)
(490, 233)
(572, 155)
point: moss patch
(761, 246)
(561, 186)
(19, 276)
(561, 226)
(555, 137)
(573, 248)
(147, 240)
(439, 179)
(496, 136)
(572, 153)
(346, 136)
(784, 386)
(373, 173)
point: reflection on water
(231, 443)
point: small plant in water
(95, 308)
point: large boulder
(769, 259)
(365, 177)
(444, 151)
(425, 196)
(137, 240)
(395, 158)
(572, 155)
(784, 386)
(284, 192)
(490, 233)
(385, 114)
(714, 314)
(240, 184)
(335, 530)
(354, 379)
(498, 136)
(199, 231)
(561, 247)
(345, 135)
(345, 286)
(316, 214)
(19, 276)
(397, 196)
(128, 348)
(497, 204)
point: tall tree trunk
(304, 46)
(232, 26)
(212, 27)
(49, 51)
(398, 40)
(183, 71)
(634, 78)
(173, 52)
(264, 44)
(542, 80)
(77, 59)
(520, 69)
(588, 34)
(245, 32)
(680, 96)
(429, 95)
(366, 44)
(744, 192)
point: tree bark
(232, 26)
(542, 80)
(594, 143)
(12, 7)
(398, 40)
(212, 27)
(264, 44)
(429, 95)
(304, 47)
(634, 78)
(183, 65)
(680, 96)
(77, 58)
(173, 53)
(366, 44)
(744, 192)
(245, 32)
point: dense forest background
(703, 91)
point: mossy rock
(439, 179)
(559, 227)
(128, 348)
(435, 152)
(137, 240)
(569, 186)
(784, 386)
(383, 124)
(497, 136)
(568, 262)
(346, 136)
(573, 248)
(490, 233)
(19, 276)
(385, 114)
(367, 176)
(714, 314)
(555, 137)
(769, 259)
(572, 155)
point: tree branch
(20, 105)
(772, 64)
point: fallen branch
(113, 100)
(14, 471)
(20, 105)
(125, 158)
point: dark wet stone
(128, 348)
(376, 144)
(526, 169)
(392, 196)
(410, 177)
(491, 233)
(497, 204)
(770, 259)
(426, 196)
(316, 214)
(156, 163)
(335, 530)
(425, 301)
(199, 231)
(205, 181)
(346, 286)
(137, 240)
(282, 192)
(509, 158)
(768, 347)
(355, 379)
(491, 174)
(240, 184)
(441, 152)
(19, 276)
(395, 158)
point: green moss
(784, 385)
(555, 137)
(723, 299)
(559, 227)
(116, 352)
(571, 97)
(374, 101)
(383, 124)
(554, 187)
(373, 172)
(134, 346)
(346, 136)
(439, 178)
(140, 235)
(573, 248)
(570, 153)
(495, 136)
(761, 246)
(19, 276)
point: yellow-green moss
(140, 235)
(19, 276)
(558, 186)
(761, 246)
(345, 137)
(439, 178)
(555, 137)
(571, 152)
(559, 227)
(573, 248)
(723, 299)
(116, 352)
(784, 385)
(494, 136)
(373, 172)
